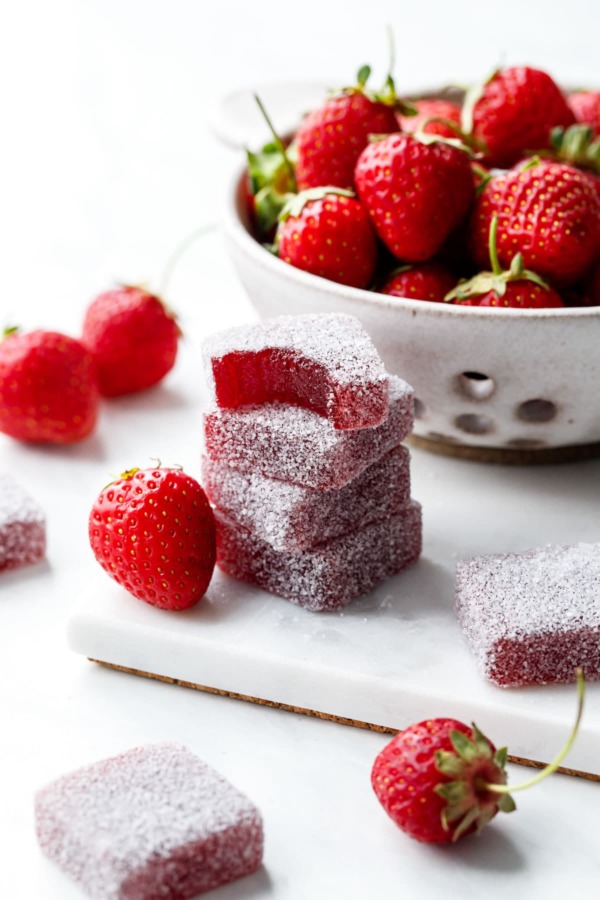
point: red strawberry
(153, 531)
(133, 337)
(427, 281)
(48, 388)
(514, 111)
(416, 190)
(432, 779)
(443, 110)
(549, 212)
(586, 108)
(578, 147)
(516, 287)
(592, 291)
(327, 231)
(331, 138)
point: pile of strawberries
(495, 202)
(51, 384)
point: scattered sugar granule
(323, 362)
(291, 517)
(294, 444)
(154, 822)
(328, 576)
(22, 526)
(532, 617)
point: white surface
(389, 658)
(109, 163)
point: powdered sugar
(294, 444)
(532, 617)
(156, 821)
(22, 526)
(290, 517)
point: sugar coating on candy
(292, 517)
(323, 362)
(294, 444)
(532, 617)
(22, 526)
(154, 822)
(328, 576)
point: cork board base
(507, 456)
(381, 729)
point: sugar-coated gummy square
(323, 362)
(22, 526)
(532, 617)
(291, 517)
(294, 444)
(155, 822)
(328, 576)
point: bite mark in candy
(328, 576)
(153, 822)
(292, 444)
(532, 617)
(291, 518)
(22, 526)
(325, 363)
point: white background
(107, 163)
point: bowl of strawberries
(463, 230)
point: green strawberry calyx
(296, 203)
(478, 788)
(576, 145)
(8, 330)
(387, 93)
(473, 95)
(271, 176)
(498, 279)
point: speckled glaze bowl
(491, 384)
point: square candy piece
(22, 526)
(291, 517)
(293, 444)
(532, 617)
(329, 576)
(325, 363)
(154, 822)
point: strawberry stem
(496, 267)
(178, 253)
(278, 143)
(553, 766)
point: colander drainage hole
(476, 385)
(474, 424)
(537, 411)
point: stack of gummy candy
(303, 460)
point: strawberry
(547, 211)
(432, 780)
(327, 231)
(133, 337)
(48, 388)
(417, 191)
(592, 288)
(331, 138)
(442, 111)
(579, 147)
(153, 531)
(427, 281)
(586, 108)
(516, 287)
(514, 111)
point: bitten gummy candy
(532, 617)
(293, 444)
(153, 822)
(290, 517)
(325, 363)
(330, 575)
(22, 526)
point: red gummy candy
(290, 517)
(532, 617)
(325, 363)
(328, 576)
(22, 527)
(153, 822)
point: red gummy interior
(271, 375)
(547, 658)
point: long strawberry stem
(553, 766)
(278, 143)
(496, 267)
(173, 260)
